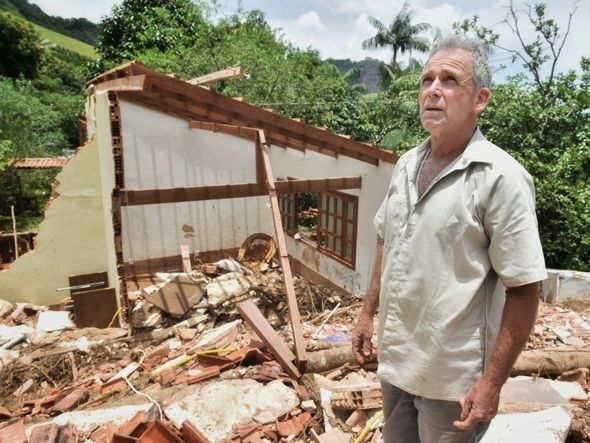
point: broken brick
(14, 433)
(191, 434)
(67, 434)
(70, 401)
(46, 433)
(139, 420)
(4, 413)
(158, 432)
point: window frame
(333, 238)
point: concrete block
(564, 284)
(546, 426)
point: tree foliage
(20, 47)
(78, 28)
(136, 26)
(400, 36)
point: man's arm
(362, 347)
(518, 319)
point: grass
(71, 44)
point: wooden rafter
(173, 96)
(283, 256)
(224, 74)
(215, 192)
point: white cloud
(310, 21)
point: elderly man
(458, 263)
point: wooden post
(14, 232)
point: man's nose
(434, 87)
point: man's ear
(482, 99)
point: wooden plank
(238, 131)
(186, 259)
(172, 195)
(252, 315)
(218, 192)
(284, 258)
(261, 118)
(216, 76)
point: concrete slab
(546, 426)
(86, 420)
(215, 407)
(529, 390)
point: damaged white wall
(375, 179)
(161, 151)
(76, 235)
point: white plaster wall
(71, 238)
(161, 151)
(375, 179)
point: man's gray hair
(482, 71)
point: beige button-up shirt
(448, 256)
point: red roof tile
(39, 162)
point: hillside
(71, 44)
(367, 71)
(75, 28)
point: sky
(336, 28)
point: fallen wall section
(71, 238)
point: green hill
(71, 44)
(76, 28)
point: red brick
(46, 433)
(190, 434)
(70, 401)
(14, 433)
(157, 432)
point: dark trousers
(412, 419)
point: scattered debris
(208, 357)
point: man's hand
(362, 345)
(479, 405)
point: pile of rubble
(197, 372)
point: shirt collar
(475, 151)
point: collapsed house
(168, 164)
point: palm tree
(401, 35)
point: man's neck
(445, 147)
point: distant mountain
(367, 72)
(77, 28)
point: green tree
(541, 117)
(278, 75)
(400, 36)
(138, 26)
(396, 113)
(539, 53)
(20, 48)
(552, 140)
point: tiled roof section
(39, 162)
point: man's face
(448, 98)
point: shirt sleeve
(515, 249)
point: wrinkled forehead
(456, 60)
